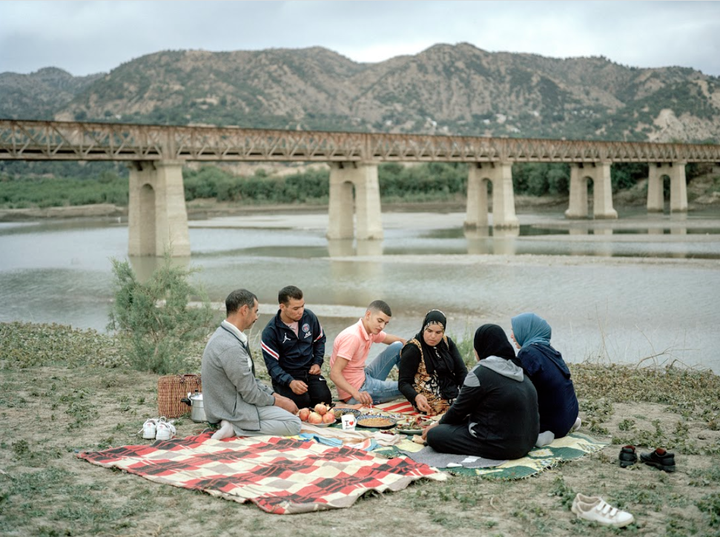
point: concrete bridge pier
(364, 205)
(157, 216)
(503, 198)
(599, 174)
(678, 186)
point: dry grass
(60, 394)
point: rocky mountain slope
(446, 89)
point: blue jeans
(381, 390)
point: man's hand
(285, 403)
(426, 429)
(298, 387)
(364, 398)
(422, 403)
(314, 369)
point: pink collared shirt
(353, 344)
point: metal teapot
(195, 401)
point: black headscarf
(436, 358)
(490, 340)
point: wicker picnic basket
(171, 389)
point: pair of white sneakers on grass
(158, 429)
(595, 509)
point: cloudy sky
(97, 36)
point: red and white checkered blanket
(280, 475)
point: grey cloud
(89, 37)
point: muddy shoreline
(201, 209)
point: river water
(640, 289)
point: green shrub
(155, 324)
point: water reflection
(486, 240)
(350, 272)
(144, 266)
(350, 247)
(611, 308)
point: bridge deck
(57, 140)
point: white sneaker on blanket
(544, 439)
(576, 425)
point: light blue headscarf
(528, 328)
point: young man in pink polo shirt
(356, 383)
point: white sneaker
(576, 425)
(595, 509)
(544, 439)
(149, 428)
(165, 430)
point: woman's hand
(422, 404)
(426, 429)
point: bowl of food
(314, 418)
(339, 411)
(370, 421)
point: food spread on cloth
(376, 422)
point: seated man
(356, 383)
(293, 346)
(232, 395)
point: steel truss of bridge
(86, 141)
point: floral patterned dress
(428, 385)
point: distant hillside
(446, 89)
(41, 94)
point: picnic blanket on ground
(280, 475)
(573, 446)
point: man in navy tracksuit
(293, 346)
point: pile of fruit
(319, 415)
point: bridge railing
(59, 140)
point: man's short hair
(380, 305)
(239, 298)
(286, 293)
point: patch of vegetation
(154, 323)
(44, 491)
(26, 345)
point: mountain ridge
(446, 89)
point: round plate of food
(376, 422)
(407, 429)
(339, 411)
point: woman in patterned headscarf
(431, 368)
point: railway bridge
(156, 154)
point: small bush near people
(155, 323)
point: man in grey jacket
(232, 395)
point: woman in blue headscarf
(558, 404)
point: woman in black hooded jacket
(495, 415)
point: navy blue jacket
(550, 375)
(285, 353)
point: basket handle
(184, 378)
